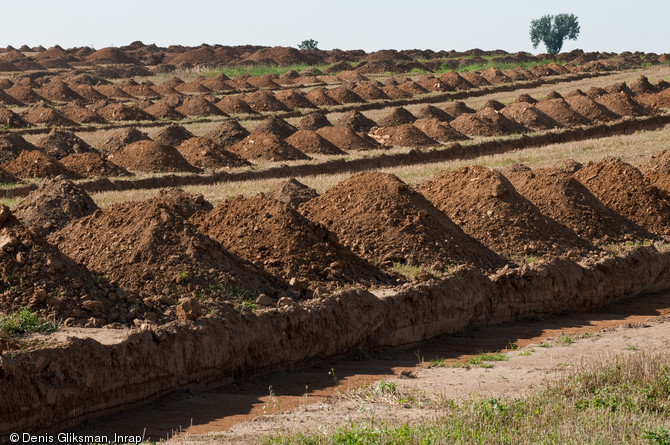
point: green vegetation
(624, 401)
(553, 31)
(308, 44)
(482, 358)
(259, 70)
(22, 322)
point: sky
(371, 25)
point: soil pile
(35, 164)
(60, 143)
(110, 55)
(198, 106)
(9, 119)
(658, 172)
(261, 101)
(493, 104)
(412, 88)
(624, 189)
(643, 86)
(524, 98)
(623, 105)
(40, 114)
(11, 145)
(368, 91)
(112, 92)
(343, 95)
(404, 135)
(356, 121)
(216, 83)
(397, 116)
(7, 178)
(561, 197)
(347, 139)
(234, 105)
(25, 94)
(87, 92)
(432, 112)
(292, 193)
(228, 133)
(590, 109)
(58, 91)
(193, 87)
(455, 109)
(395, 92)
(454, 81)
(161, 110)
(276, 126)
(122, 112)
(149, 247)
(121, 138)
(53, 205)
(309, 141)
(267, 146)
(313, 121)
(276, 237)
(149, 156)
(494, 75)
(293, 100)
(79, 113)
(92, 165)
(263, 81)
(173, 135)
(472, 125)
(204, 153)
(559, 110)
(319, 97)
(6, 99)
(488, 208)
(386, 222)
(527, 115)
(438, 130)
(500, 122)
(475, 79)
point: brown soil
(53, 205)
(6, 99)
(276, 126)
(149, 247)
(438, 130)
(58, 91)
(234, 105)
(7, 178)
(368, 91)
(500, 122)
(87, 92)
(524, 98)
(529, 116)
(590, 109)
(161, 110)
(173, 135)
(472, 125)
(110, 55)
(412, 88)
(432, 112)
(35, 164)
(318, 97)
(595, 92)
(192, 87)
(395, 92)
(559, 110)
(343, 95)
(283, 242)
(309, 141)
(24, 94)
(122, 112)
(40, 114)
(9, 119)
(403, 135)
(643, 86)
(487, 207)
(293, 100)
(198, 106)
(121, 138)
(79, 113)
(204, 153)
(11, 145)
(455, 109)
(494, 75)
(622, 104)
(356, 121)
(263, 81)
(476, 79)
(262, 101)
(141, 91)
(561, 197)
(625, 190)
(453, 81)
(228, 133)
(619, 87)
(112, 92)
(313, 121)
(493, 104)
(347, 139)
(92, 165)
(351, 76)
(266, 146)
(60, 143)
(292, 193)
(397, 116)
(386, 222)
(216, 83)
(148, 156)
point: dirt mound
(173, 135)
(395, 92)
(397, 116)
(112, 92)
(141, 91)
(263, 81)
(122, 112)
(149, 156)
(216, 83)
(293, 100)
(9, 119)
(40, 114)
(432, 112)
(438, 130)
(519, 73)
(559, 110)
(351, 76)
(590, 109)
(455, 109)
(204, 153)
(595, 92)
(345, 138)
(53, 205)
(292, 193)
(619, 87)
(24, 94)
(386, 222)
(283, 242)
(561, 197)
(6, 99)
(161, 110)
(524, 98)
(35, 164)
(87, 92)
(60, 143)
(493, 104)
(475, 79)
(500, 122)
(319, 97)
(472, 125)
(110, 55)
(368, 91)
(454, 81)
(488, 208)
(198, 106)
(193, 87)
(622, 104)
(658, 172)
(313, 121)
(234, 105)
(624, 189)
(92, 165)
(79, 113)
(412, 88)
(527, 115)
(58, 91)
(494, 75)
(343, 95)
(281, 55)
(121, 138)
(228, 133)
(261, 101)
(149, 246)
(356, 121)
(267, 146)
(276, 126)
(309, 141)
(11, 145)
(643, 86)
(403, 135)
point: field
(204, 216)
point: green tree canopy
(553, 31)
(308, 44)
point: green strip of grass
(22, 322)
(259, 70)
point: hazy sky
(347, 24)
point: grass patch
(482, 360)
(259, 70)
(22, 322)
(622, 400)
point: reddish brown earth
(559, 110)
(266, 146)
(11, 145)
(92, 165)
(404, 135)
(228, 133)
(150, 156)
(262, 101)
(79, 113)
(438, 130)
(309, 141)
(292, 192)
(204, 153)
(40, 114)
(455, 109)
(347, 139)
(173, 135)
(313, 121)
(472, 125)
(119, 139)
(397, 116)
(122, 112)
(528, 115)
(318, 97)
(9, 119)
(356, 120)
(198, 106)
(60, 143)
(277, 126)
(35, 164)
(234, 105)
(293, 100)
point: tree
(308, 44)
(553, 30)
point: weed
(659, 436)
(481, 358)
(417, 354)
(566, 340)
(386, 387)
(437, 363)
(22, 322)
(335, 380)
(511, 345)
